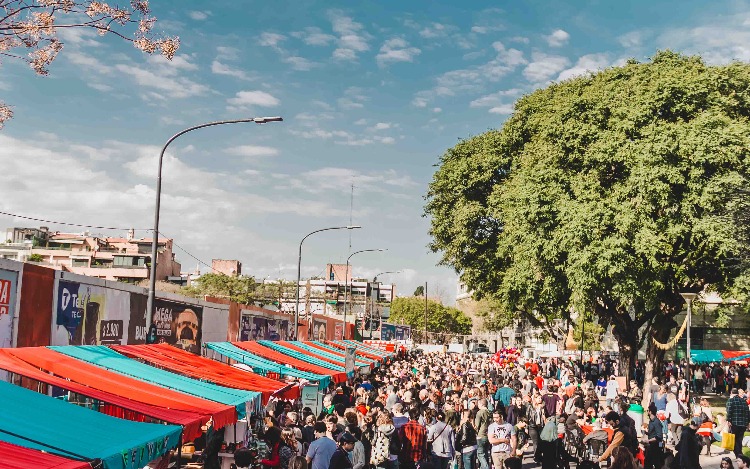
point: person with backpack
(624, 435)
(380, 456)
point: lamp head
(265, 120)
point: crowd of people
(470, 411)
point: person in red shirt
(414, 441)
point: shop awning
(323, 368)
(195, 366)
(190, 421)
(308, 353)
(301, 354)
(103, 380)
(705, 356)
(369, 348)
(257, 362)
(107, 358)
(319, 347)
(18, 457)
(44, 423)
(361, 351)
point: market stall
(361, 351)
(99, 355)
(202, 368)
(279, 357)
(18, 457)
(258, 363)
(302, 354)
(43, 423)
(365, 361)
(337, 357)
(103, 380)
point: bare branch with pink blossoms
(28, 30)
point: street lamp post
(299, 272)
(372, 307)
(154, 241)
(689, 298)
(348, 284)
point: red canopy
(137, 390)
(360, 351)
(195, 366)
(190, 421)
(297, 348)
(278, 357)
(18, 457)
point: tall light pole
(372, 307)
(347, 285)
(689, 297)
(155, 241)
(299, 272)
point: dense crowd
(468, 411)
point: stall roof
(369, 348)
(103, 380)
(705, 356)
(307, 353)
(190, 421)
(322, 368)
(107, 358)
(243, 356)
(198, 367)
(18, 457)
(362, 351)
(44, 423)
(365, 361)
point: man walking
(440, 434)
(500, 435)
(414, 441)
(481, 423)
(738, 416)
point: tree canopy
(440, 318)
(608, 194)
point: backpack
(379, 449)
(682, 410)
(394, 445)
(549, 432)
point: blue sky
(372, 94)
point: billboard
(339, 331)
(387, 331)
(261, 328)
(178, 324)
(402, 332)
(319, 329)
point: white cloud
(164, 80)
(586, 64)
(502, 109)
(88, 62)
(520, 39)
(227, 53)
(396, 50)
(436, 30)
(381, 126)
(500, 102)
(313, 36)
(199, 15)
(272, 40)
(631, 39)
(252, 152)
(333, 179)
(558, 38)
(473, 79)
(79, 37)
(220, 68)
(353, 98)
(544, 66)
(351, 38)
(719, 40)
(299, 63)
(253, 98)
(360, 122)
(437, 110)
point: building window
(80, 262)
(333, 276)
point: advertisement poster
(319, 330)
(387, 331)
(91, 315)
(311, 398)
(339, 331)
(277, 329)
(260, 329)
(179, 325)
(349, 359)
(8, 283)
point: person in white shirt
(675, 420)
(502, 437)
(613, 388)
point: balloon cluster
(509, 356)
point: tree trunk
(660, 331)
(628, 345)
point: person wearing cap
(738, 416)
(340, 457)
(689, 448)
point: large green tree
(440, 319)
(608, 194)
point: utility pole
(425, 313)
(583, 333)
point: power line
(79, 225)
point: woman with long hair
(622, 458)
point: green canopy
(260, 364)
(705, 356)
(109, 359)
(36, 421)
